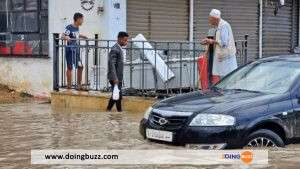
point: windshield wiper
(215, 88)
(245, 90)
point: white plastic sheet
(154, 58)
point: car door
(296, 110)
(282, 108)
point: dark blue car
(257, 105)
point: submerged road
(36, 126)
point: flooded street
(36, 126)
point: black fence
(150, 67)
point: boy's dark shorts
(73, 58)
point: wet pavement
(36, 126)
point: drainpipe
(299, 26)
(7, 22)
(191, 21)
(260, 28)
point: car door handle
(287, 113)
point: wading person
(72, 36)
(115, 70)
(224, 50)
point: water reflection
(36, 126)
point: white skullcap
(215, 13)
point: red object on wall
(4, 50)
(22, 48)
(203, 72)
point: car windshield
(263, 76)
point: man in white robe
(224, 61)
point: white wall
(35, 75)
(30, 75)
(116, 18)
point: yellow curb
(96, 101)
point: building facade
(26, 28)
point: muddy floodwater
(36, 126)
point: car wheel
(263, 139)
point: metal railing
(140, 76)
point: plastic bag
(116, 93)
(215, 79)
(203, 72)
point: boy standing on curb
(72, 36)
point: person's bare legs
(79, 77)
(69, 78)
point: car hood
(213, 102)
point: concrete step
(83, 100)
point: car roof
(288, 57)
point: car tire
(267, 135)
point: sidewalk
(96, 101)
